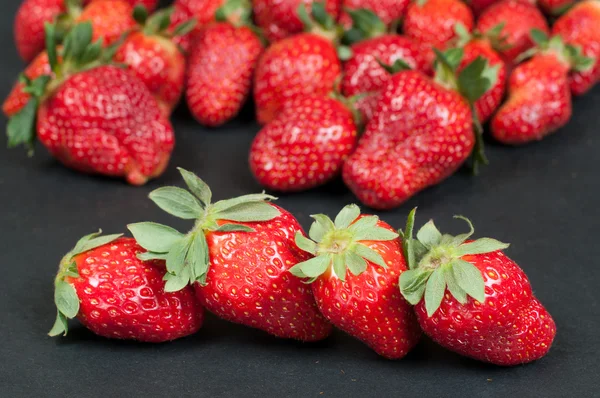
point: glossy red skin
(510, 327)
(300, 65)
(109, 18)
(369, 306)
(279, 18)
(433, 23)
(420, 134)
(105, 121)
(222, 63)
(389, 11)
(122, 297)
(555, 7)
(539, 101)
(519, 18)
(305, 146)
(492, 99)
(249, 283)
(204, 12)
(158, 63)
(363, 73)
(478, 6)
(580, 26)
(29, 25)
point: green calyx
(436, 263)
(187, 255)
(339, 245)
(236, 12)
(365, 25)
(319, 22)
(158, 23)
(65, 297)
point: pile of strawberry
(248, 261)
(337, 88)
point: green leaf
(408, 241)
(461, 31)
(316, 266)
(148, 256)
(140, 14)
(398, 66)
(94, 242)
(320, 15)
(21, 127)
(234, 228)
(481, 246)
(66, 299)
(185, 27)
(320, 227)
(304, 17)
(92, 52)
(305, 244)
(539, 37)
(455, 290)
(496, 30)
(60, 325)
(229, 203)
(450, 59)
(249, 212)
(434, 291)
(79, 38)
(355, 263)
(363, 224)
(375, 234)
(366, 23)
(339, 266)
(176, 283)
(296, 270)
(347, 216)
(429, 235)
(177, 202)
(50, 35)
(369, 254)
(471, 80)
(469, 278)
(196, 186)
(155, 237)
(412, 284)
(176, 258)
(199, 258)
(460, 239)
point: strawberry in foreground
(422, 131)
(472, 299)
(580, 26)
(539, 99)
(92, 117)
(221, 66)
(354, 277)
(306, 145)
(115, 294)
(152, 56)
(237, 257)
(389, 11)
(306, 63)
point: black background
(543, 198)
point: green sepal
(196, 186)
(236, 12)
(321, 16)
(365, 25)
(539, 37)
(455, 290)
(321, 226)
(50, 37)
(346, 216)
(177, 202)
(185, 27)
(140, 14)
(92, 241)
(344, 52)
(355, 263)
(480, 246)
(369, 254)
(21, 127)
(157, 23)
(155, 237)
(234, 228)
(469, 278)
(412, 284)
(305, 244)
(434, 291)
(149, 256)
(60, 325)
(429, 235)
(398, 66)
(313, 267)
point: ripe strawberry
(221, 67)
(539, 100)
(29, 25)
(432, 22)
(110, 19)
(305, 146)
(279, 19)
(95, 119)
(237, 257)
(113, 293)
(555, 7)
(303, 64)
(354, 277)
(422, 131)
(150, 5)
(152, 56)
(508, 24)
(581, 27)
(389, 11)
(477, 302)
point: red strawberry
(478, 6)
(555, 7)
(237, 257)
(221, 67)
(389, 11)
(115, 294)
(477, 302)
(29, 25)
(432, 22)
(509, 23)
(539, 99)
(152, 56)
(279, 19)
(420, 134)
(305, 146)
(204, 11)
(581, 27)
(303, 64)
(110, 19)
(354, 277)
(99, 120)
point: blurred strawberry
(203, 10)
(389, 11)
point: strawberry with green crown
(470, 298)
(237, 257)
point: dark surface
(542, 198)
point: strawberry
(203, 11)
(305, 145)
(93, 118)
(115, 294)
(221, 67)
(580, 26)
(149, 5)
(110, 19)
(279, 19)
(29, 25)
(421, 132)
(237, 257)
(152, 56)
(303, 64)
(432, 22)
(508, 24)
(354, 276)
(555, 7)
(472, 299)
(539, 100)
(389, 11)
